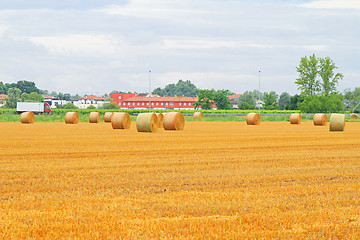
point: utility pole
(259, 92)
(149, 90)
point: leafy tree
(270, 100)
(351, 98)
(284, 100)
(14, 95)
(32, 97)
(329, 79)
(27, 86)
(250, 98)
(308, 73)
(181, 88)
(68, 105)
(294, 102)
(3, 89)
(109, 106)
(310, 69)
(316, 104)
(205, 99)
(221, 100)
(246, 106)
(91, 107)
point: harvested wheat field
(210, 181)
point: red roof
(93, 97)
(3, 96)
(162, 99)
(48, 96)
(234, 96)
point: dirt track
(212, 180)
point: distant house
(145, 101)
(3, 98)
(234, 100)
(86, 101)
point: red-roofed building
(234, 100)
(3, 98)
(132, 101)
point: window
(142, 104)
(157, 104)
(166, 104)
(171, 103)
(179, 104)
(162, 104)
(119, 97)
(133, 103)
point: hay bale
(147, 122)
(160, 118)
(94, 117)
(320, 119)
(27, 117)
(71, 118)
(253, 119)
(295, 118)
(337, 122)
(353, 116)
(174, 121)
(120, 120)
(107, 117)
(198, 115)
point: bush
(317, 104)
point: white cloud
(83, 44)
(350, 4)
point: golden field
(211, 181)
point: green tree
(32, 97)
(250, 98)
(222, 100)
(109, 106)
(308, 73)
(3, 89)
(14, 95)
(294, 102)
(246, 106)
(316, 104)
(181, 88)
(310, 69)
(91, 107)
(329, 78)
(284, 100)
(69, 105)
(27, 86)
(205, 100)
(270, 100)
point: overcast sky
(96, 46)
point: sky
(96, 46)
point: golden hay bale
(71, 118)
(94, 117)
(353, 116)
(27, 117)
(320, 119)
(120, 120)
(253, 119)
(174, 121)
(160, 117)
(198, 115)
(107, 116)
(337, 122)
(295, 118)
(147, 122)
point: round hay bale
(120, 120)
(174, 121)
(27, 117)
(94, 117)
(353, 116)
(295, 118)
(107, 117)
(147, 122)
(337, 122)
(198, 115)
(320, 119)
(160, 117)
(253, 119)
(71, 118)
